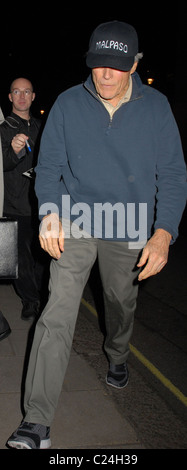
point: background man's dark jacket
(19, 195)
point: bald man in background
(20, 135)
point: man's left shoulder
(154, 95)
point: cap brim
(111, 61)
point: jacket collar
(14, 120)
(19, 118)
(137, 87)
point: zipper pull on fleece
(107, 132)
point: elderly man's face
(111, 84)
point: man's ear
(134, 67)
(10, 97)
(33, 96)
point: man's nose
(107, 73)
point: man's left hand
(155, 254)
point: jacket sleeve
(171, 175)
(10, 158)
(52, 157)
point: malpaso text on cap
(110, 44)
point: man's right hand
(18, 142)
(52, 235)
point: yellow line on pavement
(167, 383)
(89, 307)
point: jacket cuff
(21, 154)
(168, 229)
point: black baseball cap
(113, 44)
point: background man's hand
(18, 142)
(155, 254)
(52, 235)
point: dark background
(48, 44)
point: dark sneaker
(30, 436)
(30, 310)
(4, 327)
(117, 375)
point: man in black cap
(110, 148)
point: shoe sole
(45, 444)
(117, 386)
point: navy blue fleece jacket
(135, 157)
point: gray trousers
(55, 329)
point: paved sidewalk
(86, 417)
